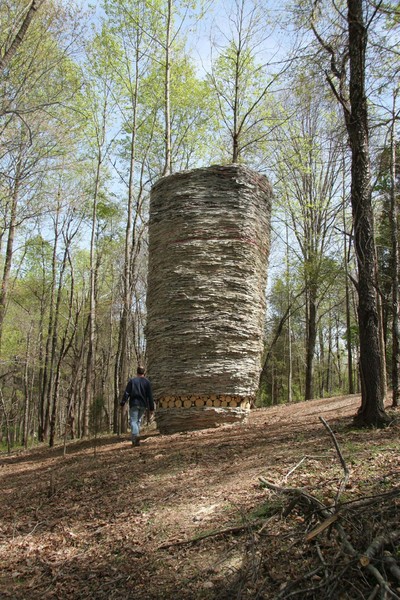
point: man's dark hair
(140, 371)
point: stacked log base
(216, 400)
(188, 413)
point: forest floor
(187, 516)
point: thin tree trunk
(41, 407)
(349, 336)
(25, 429)
(10, 247)
(167, 93)
(90, 359)
(123, 338)
(64, 346)
(47, 384)
(322, 363)
(7, 420)
(329, 364)
(311, 339)
(289, 322)
(89, 381)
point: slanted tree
(17, 32)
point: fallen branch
(380, 542)
(326, 511)
(369, 567)
(371, 560)
(345, 479)
(370, 500)
(321, 527)
(293, 469)
(203, 536)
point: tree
(308, 155)
(388, 246)
(351, 93)
(394, 220)
(241, 85)
(16, 33)
(100, 115)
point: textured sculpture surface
(209, 234)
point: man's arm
(127, 393)
(150, 399)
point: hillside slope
(186, 516)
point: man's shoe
(136, 441)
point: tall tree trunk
(394, 218)
(167, 93)
(17, 39)
(349, 346)
(289, 322)
(90, 358)
(322, 369)
(40, 358)
(371, 411)
(64, 347)
(10, 246)
(338, 353)
(27, 390)
(47, 382)
(7, 421)
(124, 335)
(311, 338)
(329, 363)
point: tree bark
(394, 217)
(311, 326)
(90, 359)
(10, 246)
(47, 381)
(27, 390)
(167, 93)
(65, 344)
(124, 344)
(349, 345)
(9, 52)
(371, 411)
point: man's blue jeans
(135, 416)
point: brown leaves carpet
(185, 516)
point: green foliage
(240, 88)
(74, 101)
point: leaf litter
(234, 512)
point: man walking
(140, 396)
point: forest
(98, 102)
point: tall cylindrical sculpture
(209, 233)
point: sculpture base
(174, 420)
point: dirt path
(122, 522)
